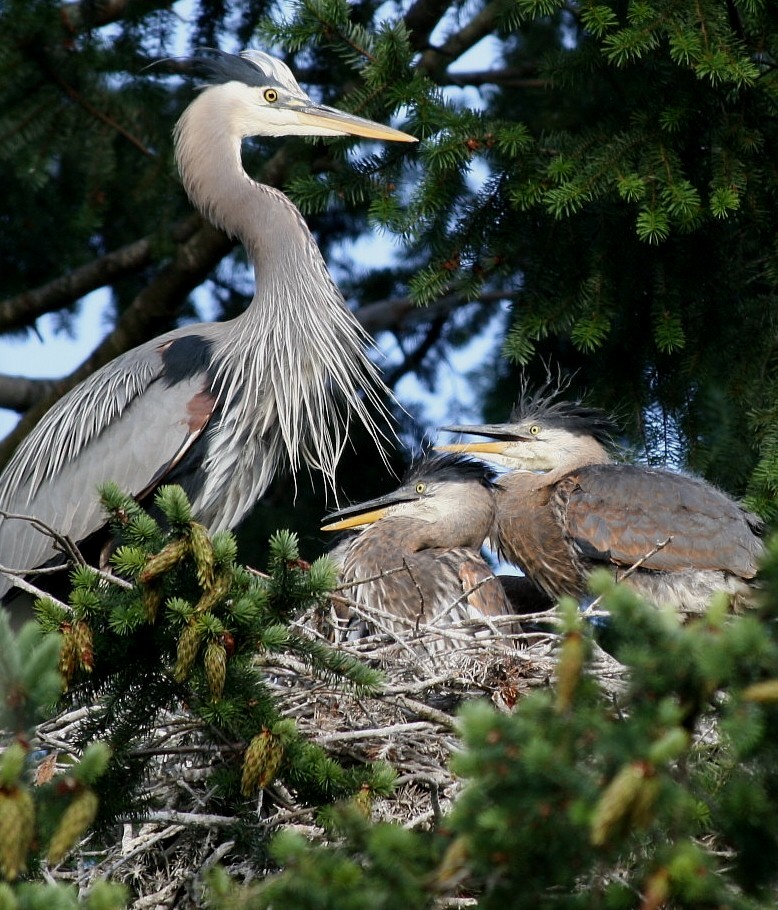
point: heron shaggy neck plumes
(218, 408)
(297, 351)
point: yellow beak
(486, 448)
(349, 124)
(355, 521)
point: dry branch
(409, 721)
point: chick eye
(421, 487)
(534, 430)
(270, 95)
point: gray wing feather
(123, 424)
(620, 513)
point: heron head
(266, 100)
(541, 436)
(440, 490)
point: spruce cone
(168, 557)
(215, 661)
(220, 588)
(68, 655)
(17, 820)
(569, 666)
(765, 691)
(202, 551)
(82, 640)
(628, 797)
(642, 811)
(656, 890)
(260, 762)
(188, 646)
(364, 800)
(78, 816)
(152, 600)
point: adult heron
(416, 561)
(565, 507)
(215, 407)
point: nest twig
(410, 722)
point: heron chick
(216, 407)
(416, 561)
(565, 507)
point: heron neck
(469, 526)
(208, 155)
(291, 366)
(586, 451)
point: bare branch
(395, 314)
(20, 393)
(421, 19)
(171, 816)
(511, 77)
(148, 314)
(29, 588)
(436, 60)
(86, 14)
(18, 312)
(413, 360)
(61, 541)
(630, 571)
(340, 736)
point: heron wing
(482, 590)
(131, 422)
(621, 513)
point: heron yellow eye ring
(421, 487)
(270, 95)
(534, 430)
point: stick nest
(409, 722)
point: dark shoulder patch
(185, 357)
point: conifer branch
(95, 112)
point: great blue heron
(215, 407)
(565, 507)
(420, 548)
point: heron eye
(534, 430)
(421, 487)
(270, 95)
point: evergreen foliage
(609, 176)
(47, 816)
(664, 797)
(612, 183)
(579, 798)
(188, 632)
